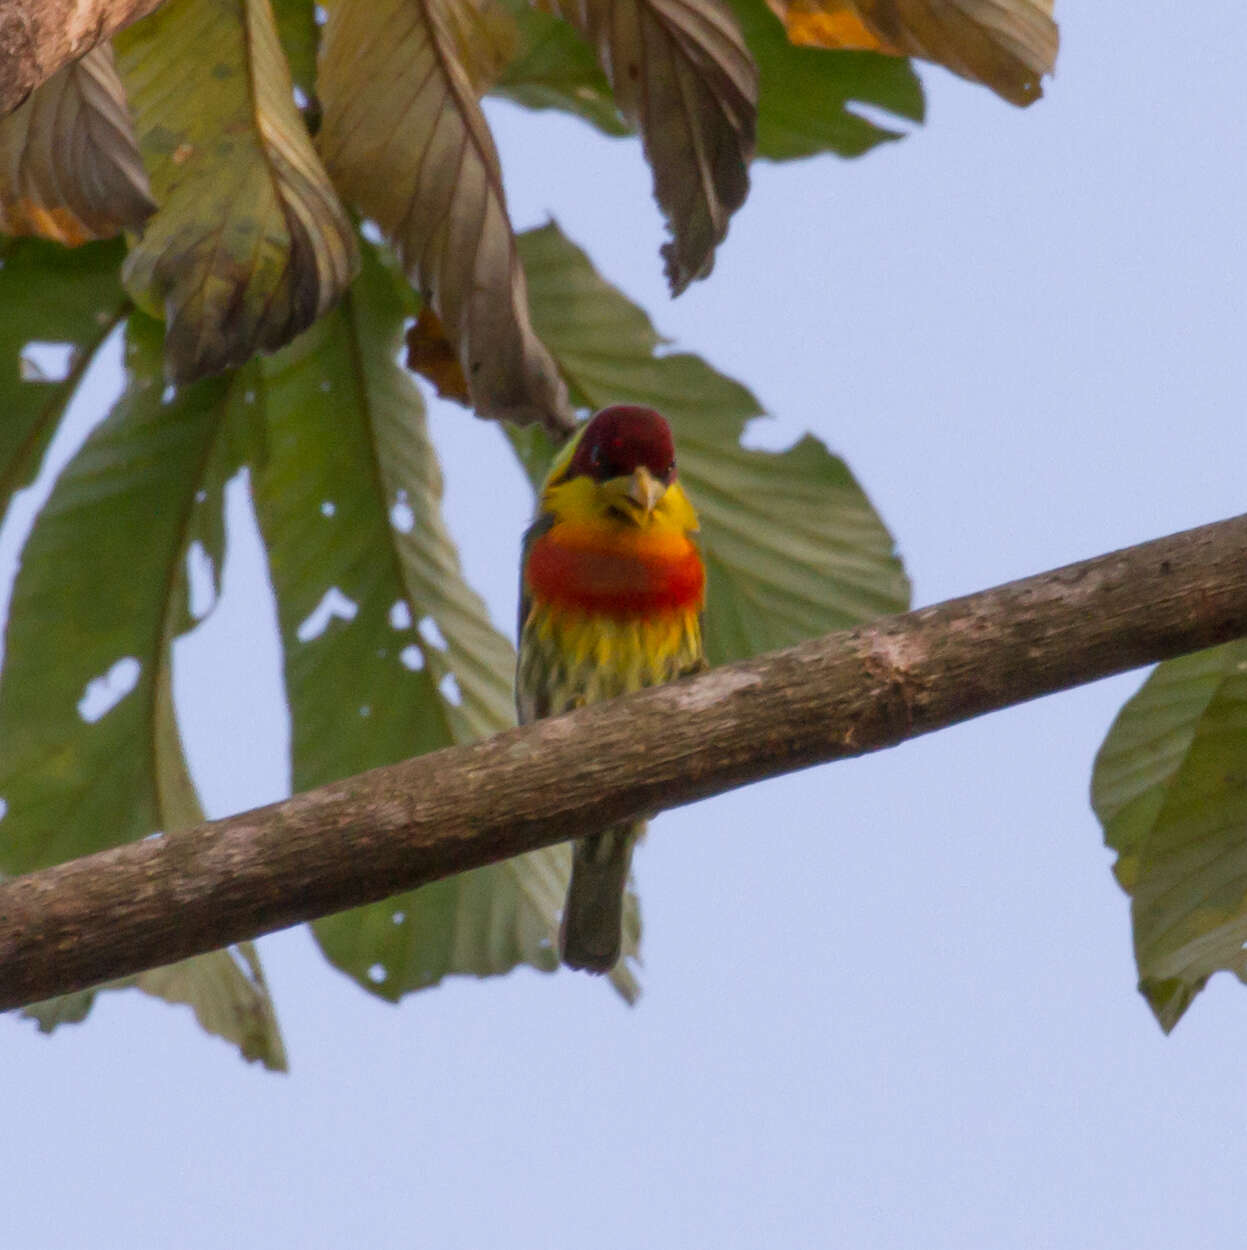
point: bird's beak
(645, 490)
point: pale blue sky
(888, 1003)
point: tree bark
(389, 830)
(37, 37)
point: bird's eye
(595, 455)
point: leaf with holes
(793, 547)
(70, 168)
(90, 753)
(388, 652)
(250, 244)
(98, 600)
(60, 307)
(1170, 788)
(405, 139)
(682, 72)
(1008, 45)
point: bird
(612, 591)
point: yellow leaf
(829, 25)
(431, 355)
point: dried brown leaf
(405, 139)
(682, 72)
(1008, 45)
(70, 168)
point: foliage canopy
(239, 144)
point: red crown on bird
(621, 438)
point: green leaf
(51, 296)
(51, 1013)
(793, 547)
(806, 97)
(388, 652)
(554, 68)
(225, 989)
(300, 39)
(250, 244)
(102, 593)
(1170, 788)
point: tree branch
(37, 37)
(389, 830)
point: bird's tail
(592, 930)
